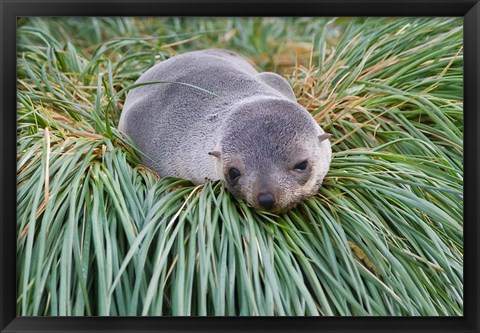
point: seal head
(272, 153)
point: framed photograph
(239, 166)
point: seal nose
(266, 200)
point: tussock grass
(99, 234)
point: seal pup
(215, 117)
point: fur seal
(215, 117)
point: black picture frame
(10, 10)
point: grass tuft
(100, 234)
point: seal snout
(266, 200)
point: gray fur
(251, 122)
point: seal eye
(233, 175)
(302, 166)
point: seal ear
(324, 136)
(214, 153)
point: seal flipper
(278, 83)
